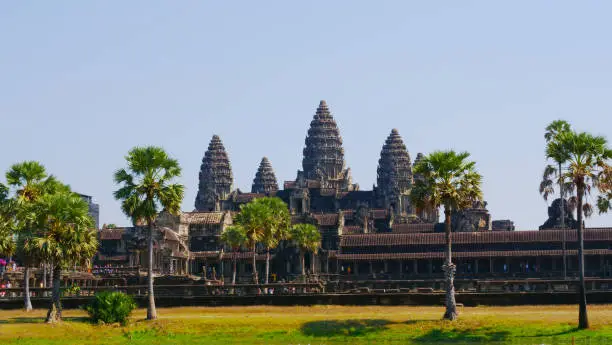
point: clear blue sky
(84, 81)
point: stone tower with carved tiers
(265, 179)
(323, 154)
(216, 177)
(394, 175)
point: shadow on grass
(29, 320)
(347, 328)
(462, 336)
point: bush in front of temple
(111, 307)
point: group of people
(6, 285)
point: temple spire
(265, 180)
(394, 174)
(323, 153)
(216, 177)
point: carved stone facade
(476, 218)
(265, 180)
(216, 177)
(554, 216)
(394, 176)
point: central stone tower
(323, 154)
(394, 175)
(216, 177)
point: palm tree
(234, 237)
(7, 224)
(253, 218)
(307, 238)
(449, 180)
(146, 188)
(31, 182)
(276, 227)
(587, 158)
(64, 235)
(553, 130)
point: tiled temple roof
(246, 197)
(202, 217)
(206, 254)
(378, 213)
(355, 229)
(289, 184)
(326, 219)
(111, 234)
(243, 256)
(470, 254)
(603, 234)
(413, 228)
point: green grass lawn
(318, 325)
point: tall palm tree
(253, 218)
(276, 227)
(449, 180)
(234, 237)
(146, 188)
(588, 160)
(31, 182)
(307, 238)
(65, 236)
(7, 224)
(553, 130)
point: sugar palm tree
(7, 224)
(65, 236)
(307, 238)
(234, 237)
(553, 130)
(449, 180)
(253, 218)
(276, 228)
(30, 181)
(146, 188)
(588, 160)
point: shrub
(111, 307)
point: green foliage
(146, 185)
(306, 237)
(234, 237)
(588, 164)
(111, 307)
(63, 230)
(449, 180)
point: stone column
(386, 264)
(356, 266)
(415, 266)
(476, 266)
(371, 269)
(491, 266)
(430, 266)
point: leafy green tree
(31, 182)
(64, 235)
(276, 227)
(588, 161)
(449, 180)
(234, 237)
(307, 238)
(146, 188)
(7, 223)
(253, 218)
(553, 130)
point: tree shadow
(462, 336)
(30, 320)
(347, 328)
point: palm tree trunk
(234, 271)
(303, 263)
(312, 263)
(562, 193)
(151, 311)
(267, 265)
(449, 270)
(26, 289)
(583, 318)
(55, 310)
(254, 263)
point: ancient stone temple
(215, 177)
(394, 175)
(323, 155)
(265, 180)
(554, 216)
